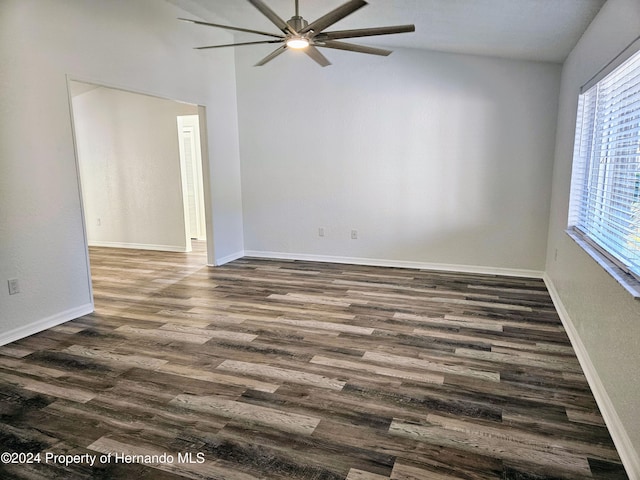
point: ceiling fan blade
(365, 32)
(273, 16)
(333, 16)
(271, 56)
(238, 44)
(354, 48)
(238, 29)
(318, 57)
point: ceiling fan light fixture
(297, 42)
(298, 34)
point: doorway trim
(205, 164)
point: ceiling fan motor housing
(297, 23)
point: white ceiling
(540, 30)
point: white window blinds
(605, 189)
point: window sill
(629, 282)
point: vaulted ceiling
(539, 30)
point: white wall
(138, 46)
(436, 159)
(605, 317)
(129, 161)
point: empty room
(305, 239)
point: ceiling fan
(299, 34)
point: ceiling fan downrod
(297, 22)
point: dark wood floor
(298, 370)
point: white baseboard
(45, 323)
(511, 272)
(139, 246)
(629, 456)
(229, 258)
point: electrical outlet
(14, 286)
(99, 222)
(321, 232)
(354, 234)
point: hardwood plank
(215, 377)
(417, 363)
(367, 367)
(501, 445)
(355, 474)
(291, 422)
(402, 471)
(107, 356)
(186, 470)
(282, 374)
(47, 388)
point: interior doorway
(143, 181)
(192, 178)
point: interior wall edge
(379, 262)
(83, 219)
(45, 323)
(227, 258)
(629, 456)
(137, 90)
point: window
(605, 186)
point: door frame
(205, 164)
